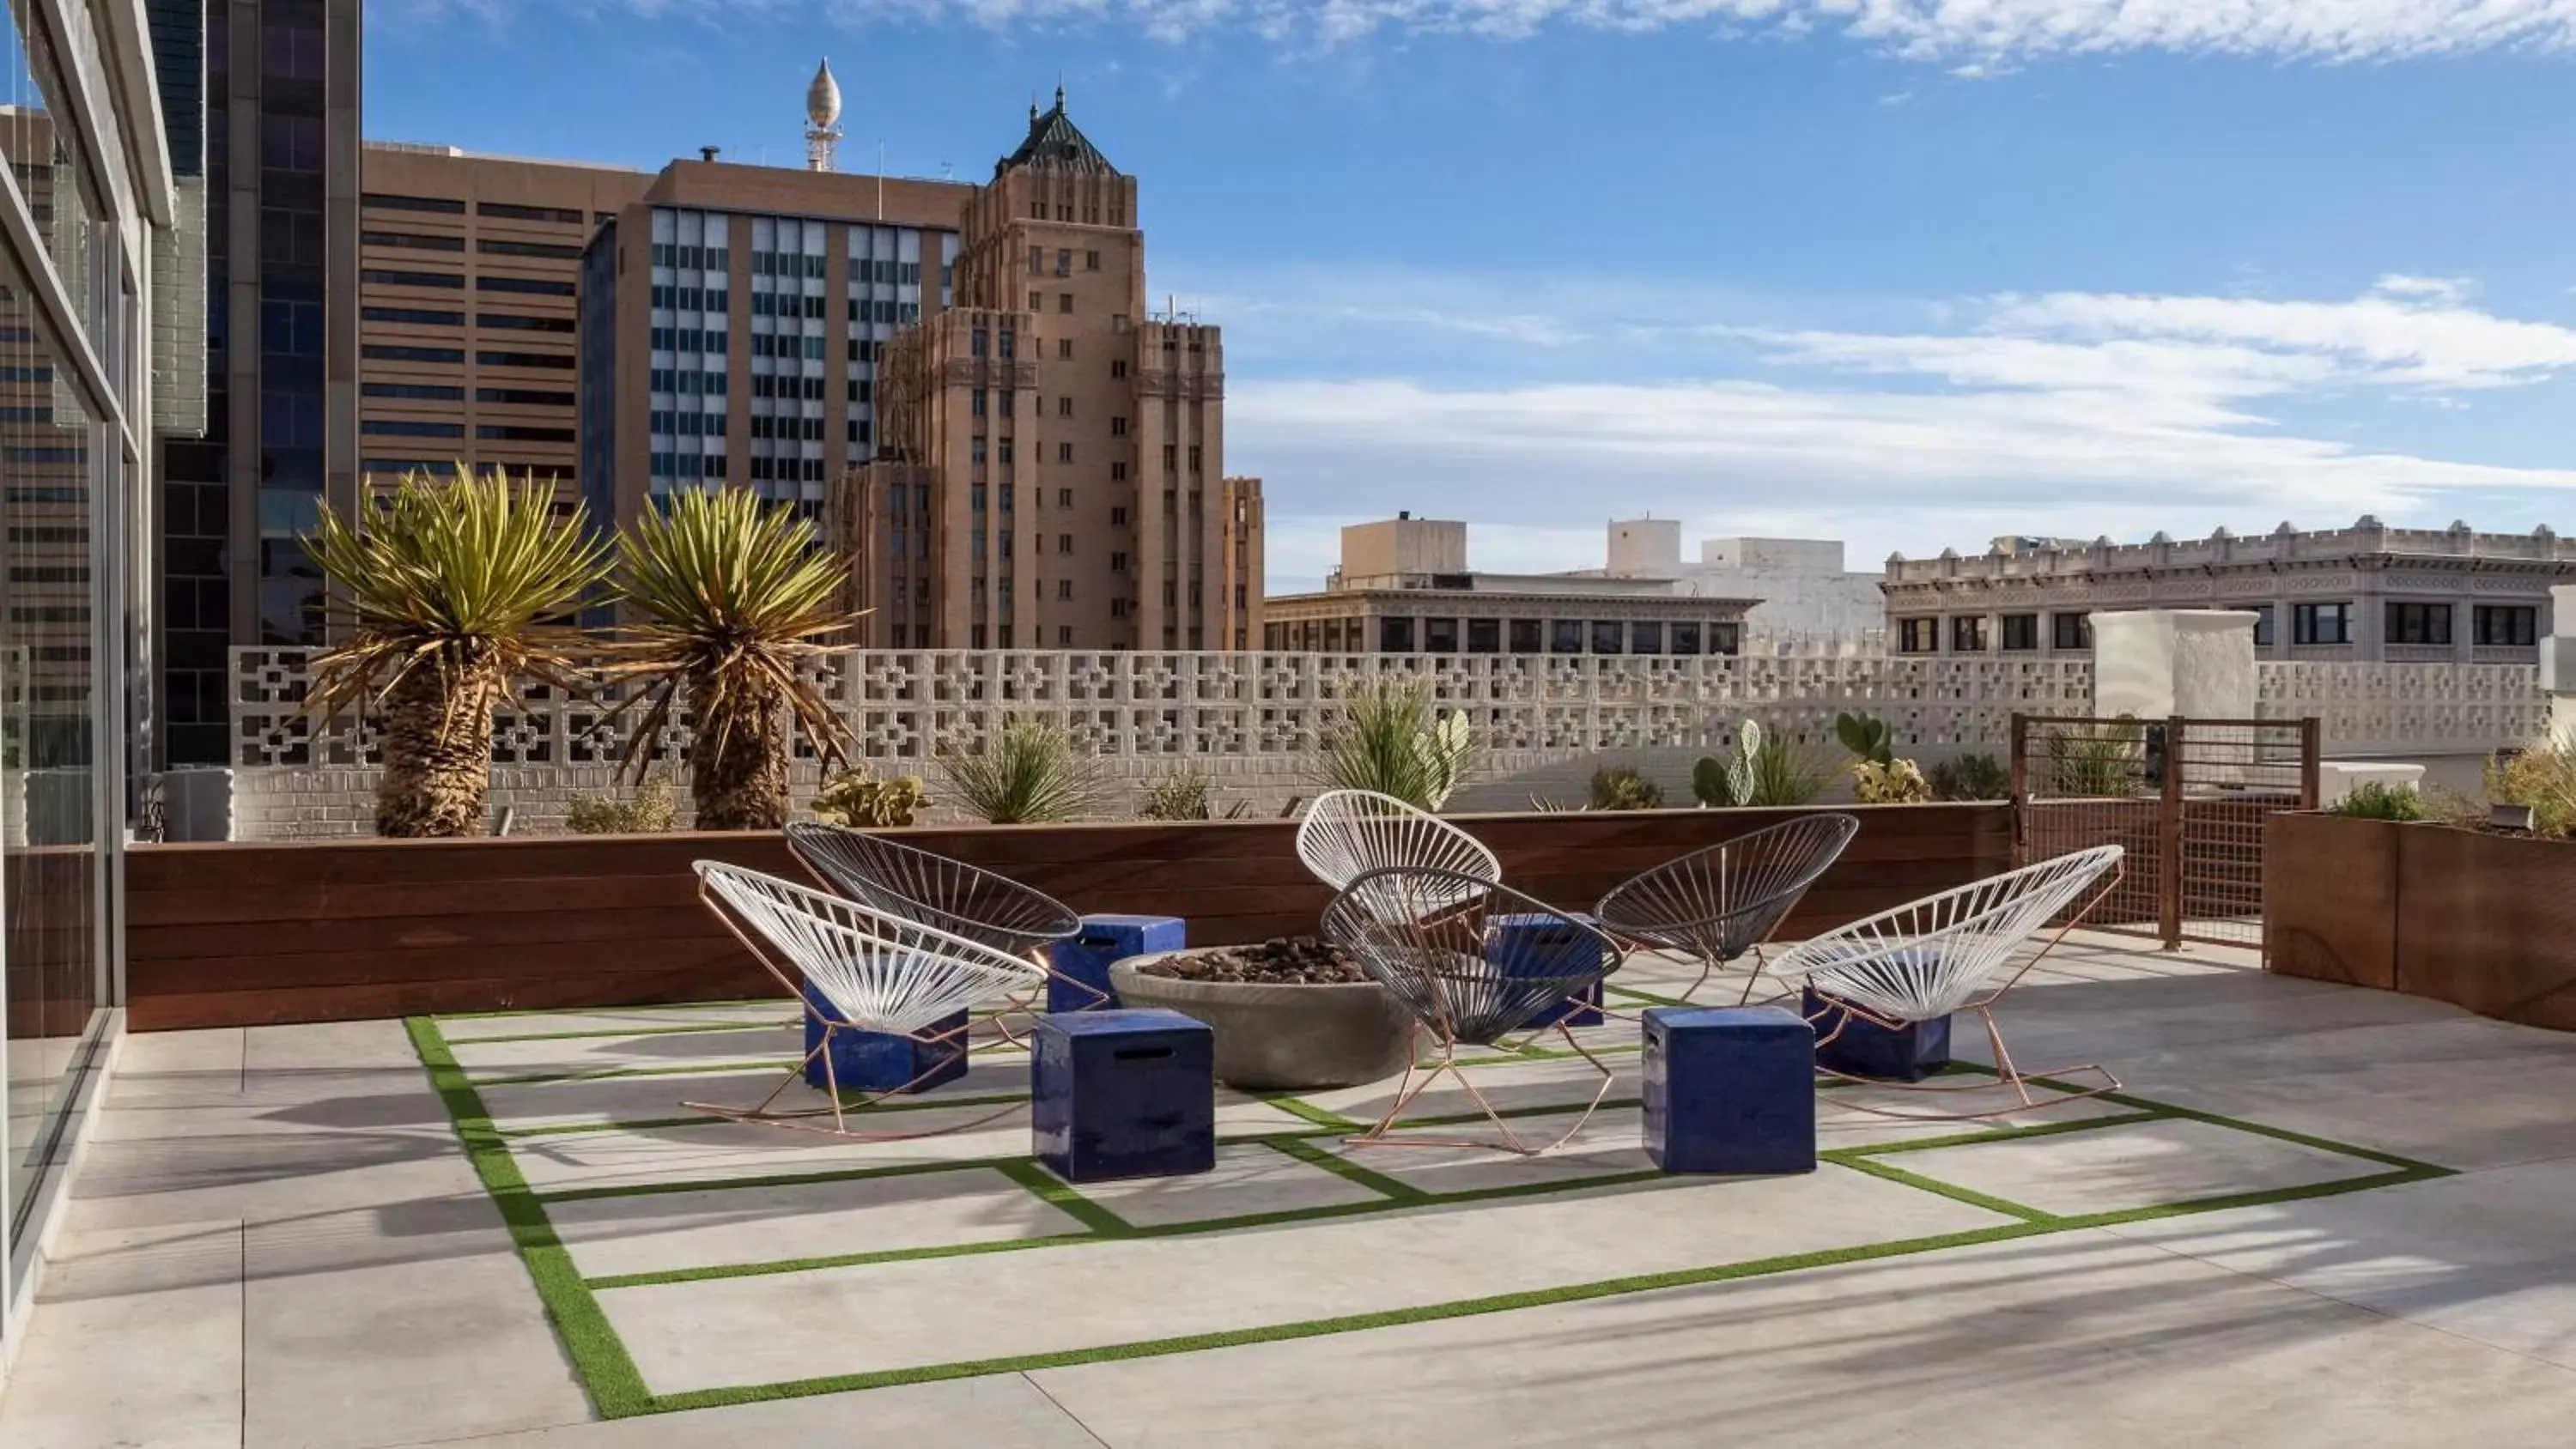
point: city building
(731, 323)
(468, 269)
(1051, 464)
(1404, 587)
(1803, 588)
(2366, 593)
(280, 156)
(90, 381)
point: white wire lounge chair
(880, 973)
(1472, 961)
(1348, 833)
(1960, 950)
(1715, 905)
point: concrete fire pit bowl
(1279, 1036)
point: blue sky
(1904, 272)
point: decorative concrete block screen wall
(1255, 722)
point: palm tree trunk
(738, 765)
(438, 771)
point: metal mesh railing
(2185, 798)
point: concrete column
(2558, 660)
(2195, 663)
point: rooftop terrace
(2318, 1215)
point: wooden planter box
(248, 934)
(2487, 922)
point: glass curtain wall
(62, 617)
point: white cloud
(2075, 413)
(1978, 33)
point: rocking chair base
(1382, 1132)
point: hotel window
(2321, 624)
(1037, 260)
(1064, 348)
(2507, 624)
(1117, 427)
(2263, 628)
(1118, 367)
(1686, 638)
(1565, 636)
(1968, 634)
(1727, 639)
(1440, 636)
(1526, 636)
(1118, 563)
(2069, 631)
(1064, 498)
(976, 402)
(1645, 638)
(1064, 407)
(1608, 636)
(981, 340)
(1064, 588)
(1064, 543)
(1918, 636)
(975, 450)
(1395, 636)
(1064, 302)
(1091, 261)
(1037, 301)
(2021, 632)
(1484, 636)
(2419, 624)
(1117, 472)
(1063, 262)
(1118, 518)
(1064, 452)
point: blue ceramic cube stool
(876, 1061)
(1861, 1047)
(1122, 1094)
(1531, 945)
(1105, 939)
(1730, 1089)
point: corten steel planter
(1281, 1037)
(2484, 921)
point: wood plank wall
(250, 934)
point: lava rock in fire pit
(1281, 960)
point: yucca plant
(733, 596)
(1391, 739)
(1029, 774)
(442, 586)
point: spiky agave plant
(443, 588)
(733, 595)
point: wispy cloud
(2080, 413)
(1973, 37)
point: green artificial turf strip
(693, 1030)
(1872, 1167)
(1297, 1106)
(617, 1389)
(597, 1354)
(2000, 1134)
(603, 1074)
(784, 1003)
(1319, 1327)
(854, 1109)
(1316, 1155)
(1065, 1198)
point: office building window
(1968, 634)
(1918, 636)
(1686, 638)
(1609, 636)
(1484, 636)
(2069, 631)
(2321, 624)
(2419, 624)
(1527, 636)
(2021, 631)
(1727, 639)
(1439, 636)
(1645, 638)
(1395, 636)
(2509, 625)
(383, 277)
(2263, 630)
(1565, 636)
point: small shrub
(858, 800)
(2096, 761)
(2379, 800)
(1391, 739)
(1971, 777)
(1619, 787)
(650, 812)
(1031, 773)
(2542, 776)
(1899, 782)
(1762, 770)
(1180, 795)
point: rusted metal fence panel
(2186, 797)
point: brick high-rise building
(468, 271)
(1050, 468)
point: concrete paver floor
(2328, 1216)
